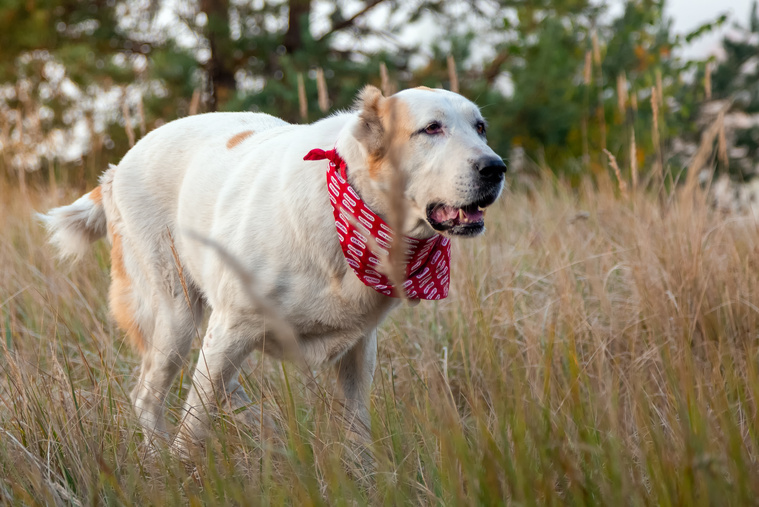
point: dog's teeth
(462, 217)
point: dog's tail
(74, 227)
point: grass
(595, 350)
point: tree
(61, 63)
(566, 81)
(557, 78)
(736, 79)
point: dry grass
(592, 351)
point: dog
(239, 182)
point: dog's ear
(370, 132)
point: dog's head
(438, 140)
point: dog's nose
(490, 167)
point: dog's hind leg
(159, 312)
(175, 326)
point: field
(596, 349)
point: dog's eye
(433, 128)
(481, 128)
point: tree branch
(494, 68)
(348, 22)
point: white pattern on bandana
(427, 260)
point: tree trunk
(297, 24)
(220, 66)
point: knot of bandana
(427, 260)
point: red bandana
(427, 260)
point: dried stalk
(659, 88)
(51, 479)
(601, 108)
(284, 334)
(387, 86)
(96, 145)
(596, 48)
(384, 79)
(587, 73)
(182, 279)
(321, 87)
(622, 93)
(585, 143)
(705, 150)
(384, 266)
(633, 160)
(615, 166)
(4, 138)
(587, 80)
(722, 146)
(141, 115)
(194, 102)
(21, 170)
(302, 102)
(453, 76)
(127, 122)
(395, 190)
(393, 264)
(659, 167)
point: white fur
(72, 228)
(269, 209)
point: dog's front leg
(355, 372)
(229, 340)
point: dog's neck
(370, 190)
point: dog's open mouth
(464, 221)
(467, 220)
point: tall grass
(595, 350)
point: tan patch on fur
(121, 297)
(376, 164)
(398, 127)
(96, 195)
(425, 88)
(238, 138)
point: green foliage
(547, 74)
(547, 100)
(736, 78)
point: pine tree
(736, 79)
(558, 78)
(62, 62)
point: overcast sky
(689, 14)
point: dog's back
(169, 149)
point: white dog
(240, 181)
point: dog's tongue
(459, 215)
(472, 214)
(444, 213)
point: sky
(690, 14)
